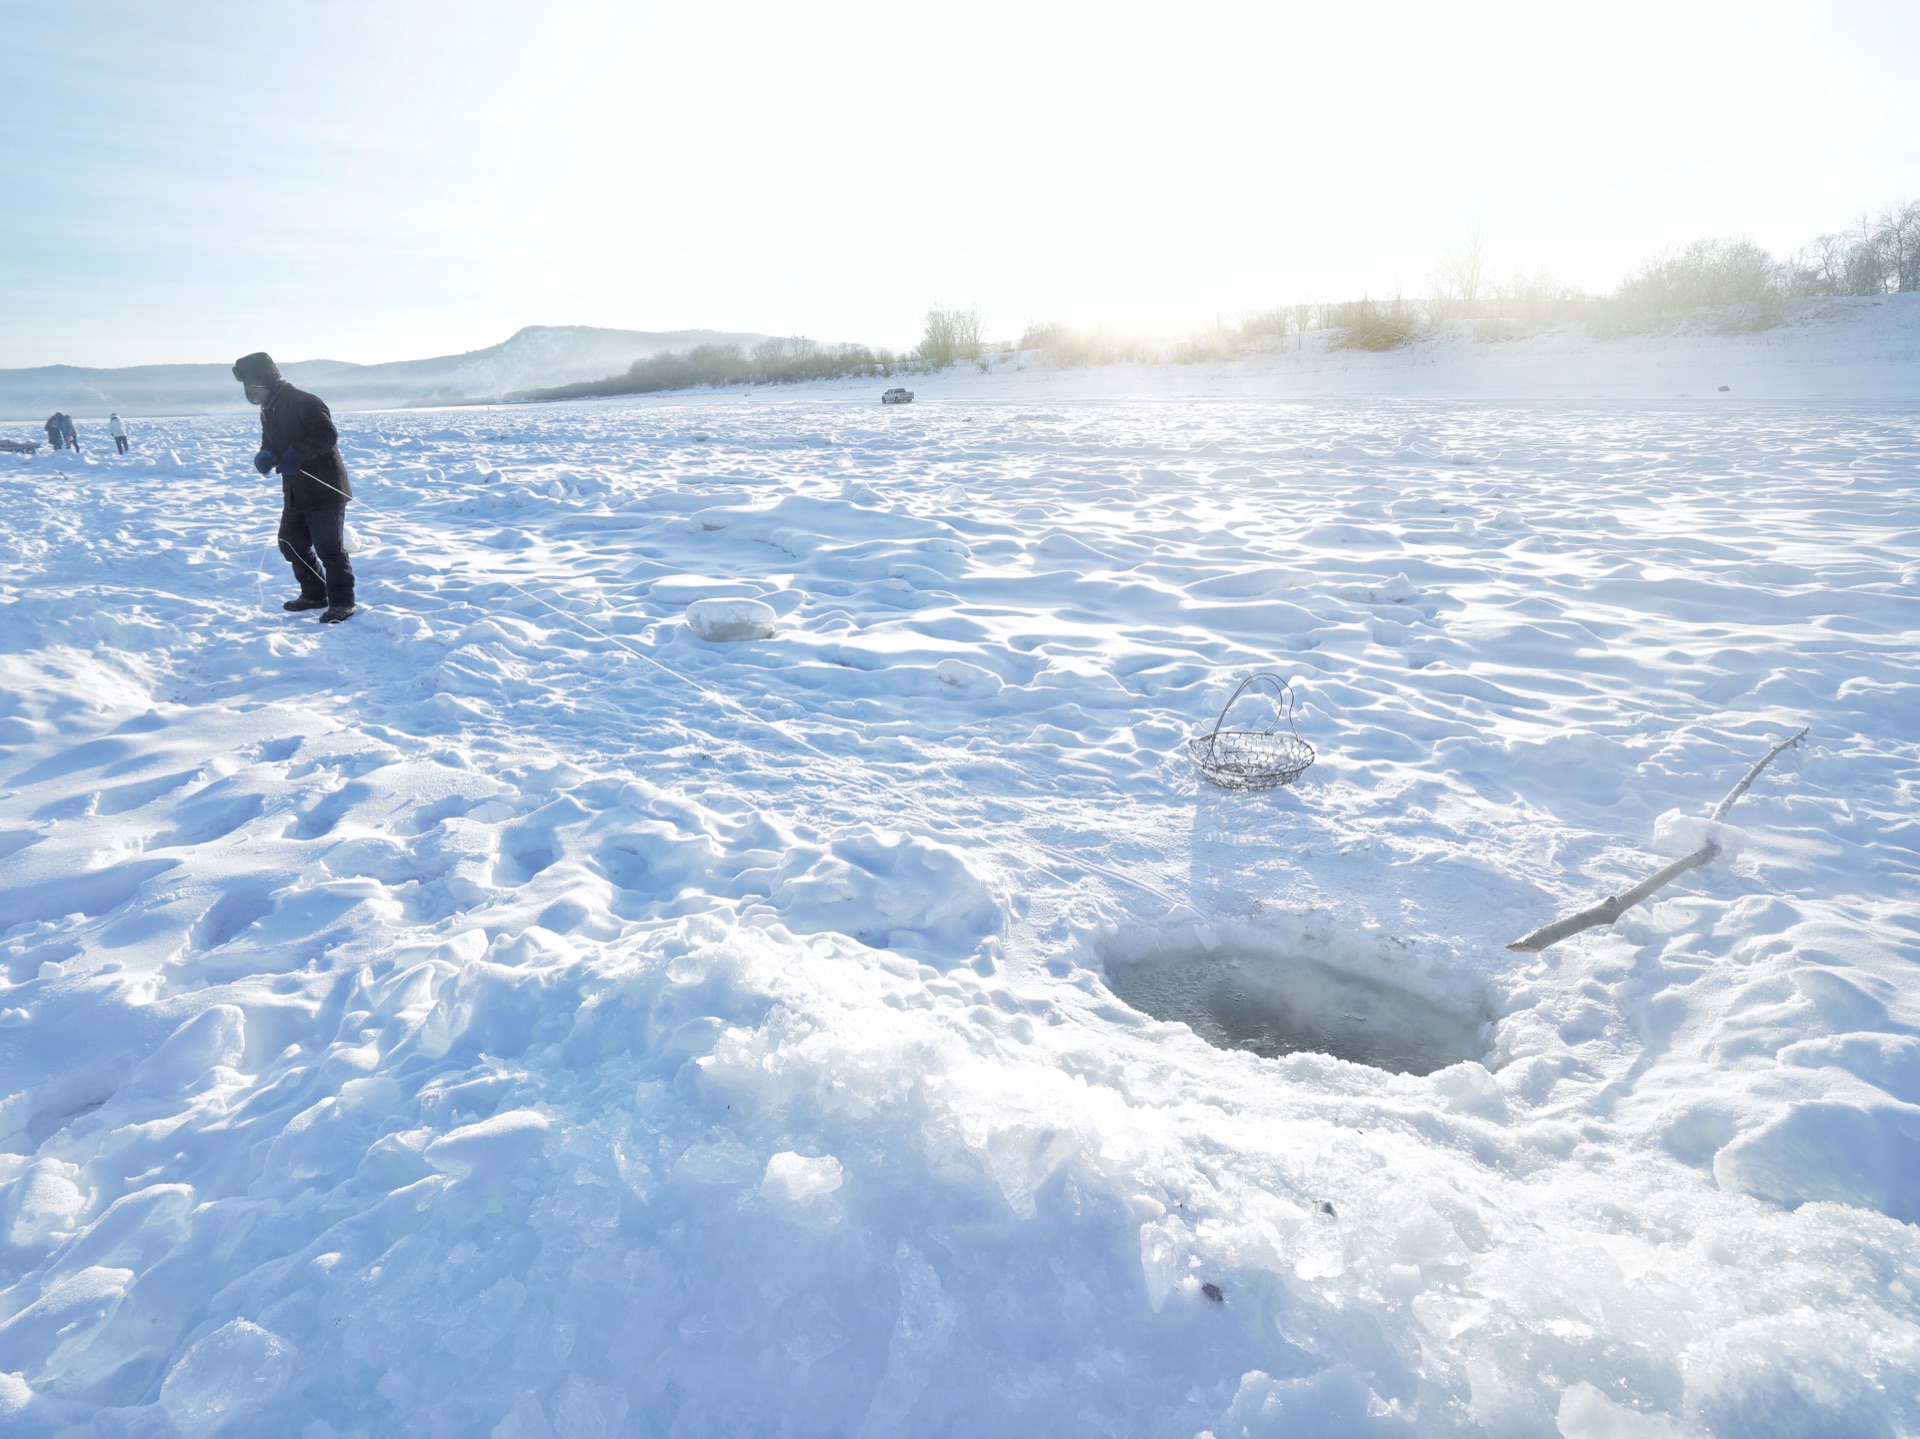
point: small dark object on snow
(301, 602)
(337, 613)
(1724, 389)
(1326, 1208)
(18, 447)
(1212, 1291)
(897, 396)
(1253, 759)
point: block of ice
(588, 1411)
(44, 1202)
(720, 621)
(494, 1145)
(226, 1375)
(1337, 1400)
(924, 1323)
(66, 1316)
(794, 1182)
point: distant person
(66, 429)
(297, 438)
(56, 439)
(118, 431)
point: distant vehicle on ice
(897, 396)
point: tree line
(1731, 283)
(771, 362)
(1727, 283)
(952, 334)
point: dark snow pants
(121, 442)
(315, 544)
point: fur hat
(256, 369)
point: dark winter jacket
(293, 417)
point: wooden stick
(1613, 906)
(1720, 810)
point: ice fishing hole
(1275, 1003)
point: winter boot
(337, 613)
(301, 602)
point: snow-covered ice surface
(512, 1014)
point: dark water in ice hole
(1279, 1004)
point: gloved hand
(265, 460)
(293, 461)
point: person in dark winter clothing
(298, 439)
(66, 429)
(56, 437)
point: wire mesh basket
(1253, 759)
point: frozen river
(512, 1014)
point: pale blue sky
(189, 180)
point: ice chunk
(495, 1144)
(525, 1420)
(67, 1315)
(794, 1182)
(42, 1204)
(719, 621)
(721, 1160)
(1164, 1247)
(1334, 1401)
(926, 1319)
(136, 1229)
(231, 1372)
(588, 1411)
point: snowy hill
(536, 356)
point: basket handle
(1281, 689)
